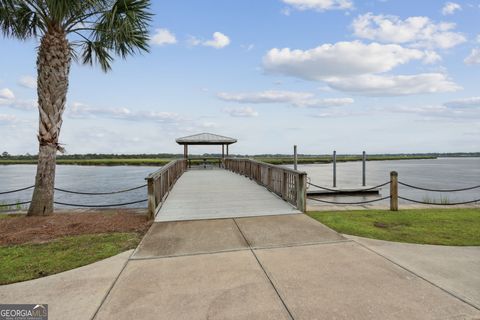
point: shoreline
(199, 160)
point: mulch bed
(21, 229)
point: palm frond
(93, 51)
(100, 29)
(18, 19)
(122, 30)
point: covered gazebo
(205, 139)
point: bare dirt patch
(20, 229)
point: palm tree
(90, 31)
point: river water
(442, 173)
(79, 178)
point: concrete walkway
(454, 269)
(211, 194)
(270, 267)
(75, 294)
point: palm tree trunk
(53, 66)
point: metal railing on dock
(160, 182)
(287, 183)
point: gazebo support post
(223, 154)
(227, 150)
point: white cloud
(472, 102)
(320, 5)
(431, 57)
(158, 116)
(388, 85)
(474, 57)
(339, 59)
(359, 68)
(27, 81)
(218, 41)
(415, 31)
(450, 8)
(7, 118)
(163, 37)
(24, 104)
(270, 96)
(325, 103)
(445, 111)
(429, 110)
(8, 99)
(208, 125)
(242, 112)
(339, 114)
(294, 98)
(6, 94)
(81, 110)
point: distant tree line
(6, 156)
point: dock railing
(160, 182)
(289, 184)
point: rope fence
(100, 193)
(437, 190)
(99, 205)
(350, 203)
(78, 205)
(14, 204)
(394, 196)
(440, 204)
(17, 190)
(80, 193)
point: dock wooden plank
(213, 194)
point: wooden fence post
(393, 191)
(302, 192)
(334, 169)
(151, 199)
(284, 185)
(269, 178)
(295, 158)
(364, 169)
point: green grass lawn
(455, 227)
(30, 261)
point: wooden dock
(336, 191)
(211, 194)
(241, 188)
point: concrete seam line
(111, 287)
(188, 254)
(419, 276)
(305, 244)
(265, 273)
(141, 241)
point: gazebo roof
(206, 139)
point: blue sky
(384, 76)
